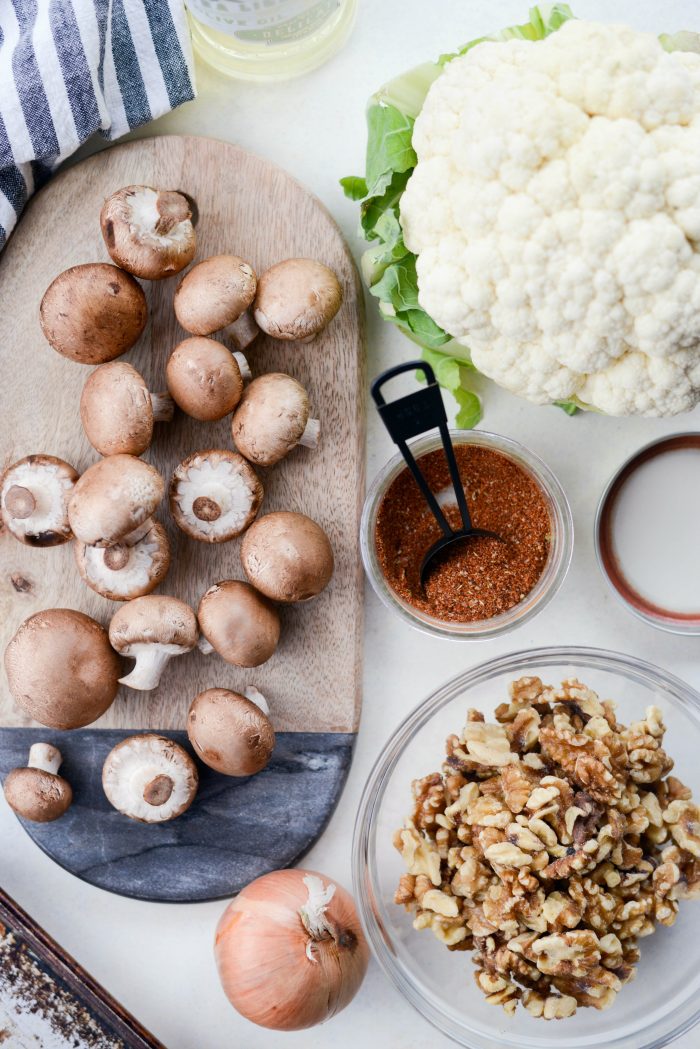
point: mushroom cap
(93, 313)
(112, 498)
(230, 733)
(239, 623)
(214, 495)
(61, 668)
(116, 410)
(150, 778)
(270, 419)
(120, 572)
(37, 795)
(148, 232)
(204, 378)
(50, 482)
(287, 556)
(296, 299)
(214, 293)
(153, 619)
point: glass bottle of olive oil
(269, 39)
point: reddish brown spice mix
(480, 578)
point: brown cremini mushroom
(93, 313)
(61, 668)
(34, 497)
(37, 792)
(150, 778)
(205, 379)
(214, 294)
(118, 412)
(148, 232)
(231, 733)
(121, 572)
(296, 299)
(113, 501)
(214, 495)
(238, 623)
(151, 630)
(272, 419)
(287, 557)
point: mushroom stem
(163, 407)
(243, 331)
(206, 509)
(116, 557)
(173, 208)
(158, 790)
(46, 757)
(204, 646)
(132, 538)
(255, 696)
(244, 367)
(311, 434)
(151, 660)
(20, 502)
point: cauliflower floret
(555, 214)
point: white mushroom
(148, 232)
(214, 495)
(230, 732)
(272, 419)
(34, 497)
(150, 778)
(61, 669)
(37, 792)
(205, 379)
(214, 294)
(296, 299)
(152, 630)
(113, 501)
(121, 572)
(93, 313)
(118, 412)
(287, 556)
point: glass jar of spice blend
(480, 588)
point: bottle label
(264, 21)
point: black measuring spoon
(409, 416)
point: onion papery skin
(261, 953)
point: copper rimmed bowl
(664, 999)
(640, 604)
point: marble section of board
(236, 830)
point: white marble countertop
(155, 958)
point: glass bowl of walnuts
(527, 854)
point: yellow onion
(290, 950)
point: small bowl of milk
(647, 533)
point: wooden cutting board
(249, 207)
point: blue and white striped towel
(69, 68)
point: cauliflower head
(555, 214)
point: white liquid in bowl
(655, 527)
